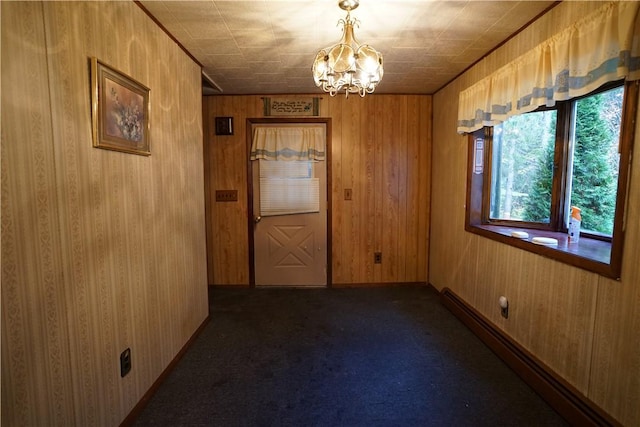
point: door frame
(250, 214)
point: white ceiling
(267, 46)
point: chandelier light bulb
(348, 66)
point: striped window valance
(288, 143)
(602, 47)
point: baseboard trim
(137, 410)
(377, 285)
(576, 408)
(332, 285)
(238, 286)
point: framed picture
(119, 111)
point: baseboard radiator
(576, 408)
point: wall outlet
(125, 362)
(377, 258)
(504, 306)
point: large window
(526, 173)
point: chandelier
(348, 65)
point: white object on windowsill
(547, 241)
(519, 234)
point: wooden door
(290, 249)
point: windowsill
(589, 254)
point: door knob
(257, 219)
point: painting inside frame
(120, 111)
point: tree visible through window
(596, 159)
(526, 159)
(521, 167)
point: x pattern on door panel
(291, 246)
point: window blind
(288, 187)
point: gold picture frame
(119, 111)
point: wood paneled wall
(380, 148)
(101, 250)
(584, 326)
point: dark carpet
(391, 356)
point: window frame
(595, 252)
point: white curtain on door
(600, 48)
(288, 143)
